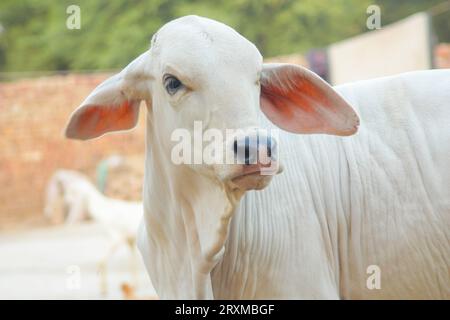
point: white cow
(81, 199)
(377, 201)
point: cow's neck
(294, 224)
(187, 218)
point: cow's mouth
(246, 175)
(254, 177)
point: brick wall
(33, 114)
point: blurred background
(56, 194)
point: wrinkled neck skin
(202, 241)
(187, 216)
(283, 240)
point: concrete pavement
(61, 262)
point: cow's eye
(172, 84)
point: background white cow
(72, 198)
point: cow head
(202, 73)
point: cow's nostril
(247, 150)
(269, 147)
(242, 149)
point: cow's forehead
(199, 45)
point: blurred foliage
(113, 32)
(393, 10)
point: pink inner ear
(294, 109)
(298, 101)
(94, 120)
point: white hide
(342, 204)
(381, 197)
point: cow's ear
(114, 104)
(297, 100)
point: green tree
(112, 33)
